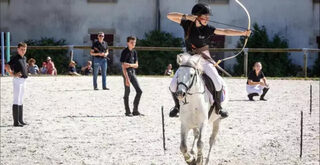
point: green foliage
(59, 57)
(316, 67)
(274, 64)
(155, 62)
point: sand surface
(70, 123)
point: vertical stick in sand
(310, 99)
(301, 134)
(163, 131)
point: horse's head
(188, 75)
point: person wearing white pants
(198, 36)
(255, 86)
(17, 67)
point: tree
(155, 62)
(274, 64)
(59, 57)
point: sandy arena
(70, 123)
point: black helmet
(201, 9)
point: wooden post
(71, 52)
(301, 134)
(310, 99)
(245, 62)
(305, 59)
(163, 131)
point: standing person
(17, 67)
(129, 62)
(197, 38)
(255, 86)
(51, 67)
(99, 51)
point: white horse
(194, 107)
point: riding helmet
(201, 9)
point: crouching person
(255, 86)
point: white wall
(71, 20)
(295, 20)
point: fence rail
(305, 51)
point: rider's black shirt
(198, 36)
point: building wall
(74, 20)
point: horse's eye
(191, 75)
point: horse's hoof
(199, 160)
(191, 160)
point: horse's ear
(179, 59)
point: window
(215, 1)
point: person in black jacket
(18, 67)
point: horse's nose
(180, 94)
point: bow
(245, 41)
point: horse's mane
(187, 59)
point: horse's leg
(196, 136)
(200, 147)
(215, 130)
(183, 145)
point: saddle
(210, 86)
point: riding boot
(21, 115)
(217, 104)
(250, 96)
(15, 114)
(175, 110)
(135, 111)
(126, 105)
(136, 102)
(265, 90)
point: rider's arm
(231, 32)
(176, 17)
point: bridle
(193, 81)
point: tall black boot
(126, 105)
(15, 114)
(21, 115)
(217, 104)
(250, 96)
(176, 109)
(136, 102)
(265, 90)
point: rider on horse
(197, 38)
